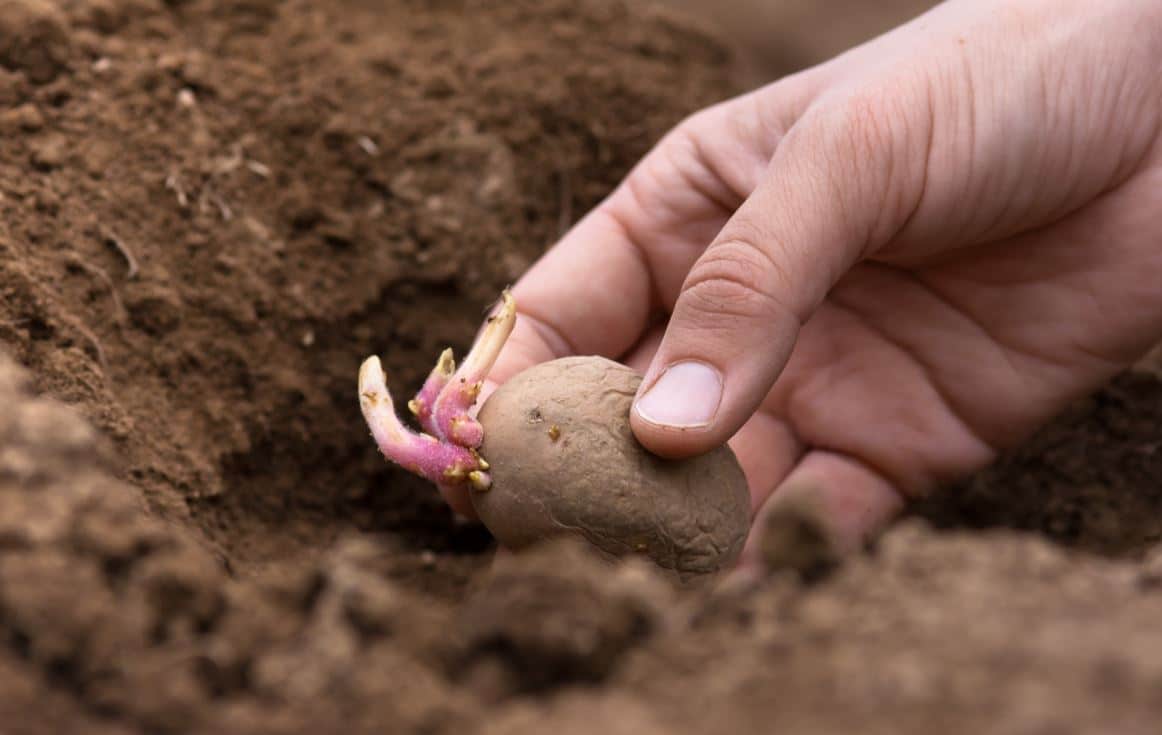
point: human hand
(873, 276)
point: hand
(873, 276)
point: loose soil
(212, 210)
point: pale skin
(895, 265)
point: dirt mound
(216, 208)
(212, 210)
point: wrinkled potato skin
(564, 461)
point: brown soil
(212, 210)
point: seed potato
(565, 462)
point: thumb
(838, 184)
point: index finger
(588, 295)
(595, 291)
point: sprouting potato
(551, 453)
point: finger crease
(553, 337)
(929, 374)
(637, 249)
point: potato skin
(565, 462)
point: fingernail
(685, 397)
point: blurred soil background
(212, 210)
(771, 38)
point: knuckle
(875, 145)
(856, 133)
(869, 126)
(733, 279)
(683, 138)
(681, 159)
